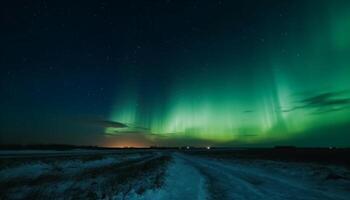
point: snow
(190, 177)
(267, 180)
(182, 182)
(34, 170)
(76, 166)
(25, 171)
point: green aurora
(292, 88)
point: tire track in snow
(182, 181)
(226, 181)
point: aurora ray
(169, 73)
(269, 96)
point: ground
(164, 174)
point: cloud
(127, 129)
(323, 102)
(115, 125)
(123, 137)
(123, 131)
(106, 123)
(248, 111)
(326, 99)
(139, 127)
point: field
(174, 174)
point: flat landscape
(174, 174)
(175, 100)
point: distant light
(208, 148)
(187, 147)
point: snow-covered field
(69, 176)
(263, 179)
(167, 175)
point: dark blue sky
(68, 65)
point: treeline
(47, 147)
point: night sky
(175, 72)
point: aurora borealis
(221, 73)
